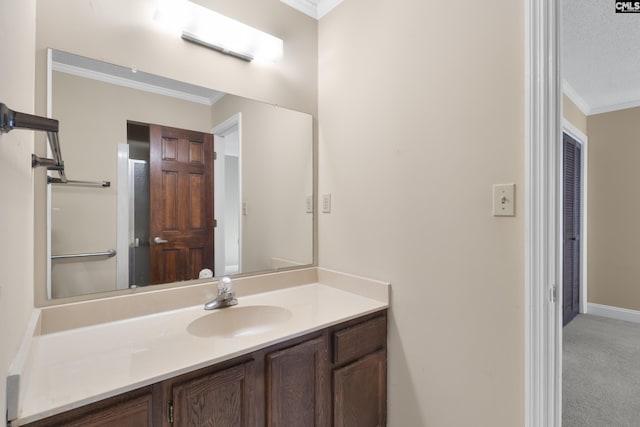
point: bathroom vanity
(340, 370)
(308, 348)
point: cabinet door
(128, 410)
(360, 392)
(135, 413)
(220, 399)
(297, 387)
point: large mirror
(175, 182)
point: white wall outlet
(309, 203)
(326, 203)
(504, 202)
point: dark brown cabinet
(360, 373)
(359, 398)
(333, 377)
(297, 385)
(220, 399)
(133, 409)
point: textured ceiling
(600, 55)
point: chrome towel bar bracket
(10, 120)
(50, 164)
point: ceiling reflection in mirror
(200, 183)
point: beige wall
(17, 32)
(614, 208)
(421, 111)
(614, 145)
(573, 114)
(276, 179)
(123, 32)
(277, 175)
(408, 156)
(93, 121)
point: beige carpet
(601, 373)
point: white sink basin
(239, 321)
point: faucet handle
(224, 285)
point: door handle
(159, 241)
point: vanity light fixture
(205, 27)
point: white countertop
(74, 367)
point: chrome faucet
(225, 298)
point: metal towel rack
(110, 253)
(104, 184)
(10, 120)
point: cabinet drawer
(359, 340)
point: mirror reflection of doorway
(139, 249)
(229, 207)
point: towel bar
(110, 253)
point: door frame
(232, 124)
(125, 213)
(583, 140)
(543, 271)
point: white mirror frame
(543, 299)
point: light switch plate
(504, 200)
(309, 203)
(326, 203)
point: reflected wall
(274, 170)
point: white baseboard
(613, 312)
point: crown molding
(615, 107)
(582, 105)
(120, 81)
(327, 6)
(315, 9)
(570, 92)
(303, 6)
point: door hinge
(215, 156)
(170, 412)
(215, 223)
(553, 293)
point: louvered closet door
(572, 208)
